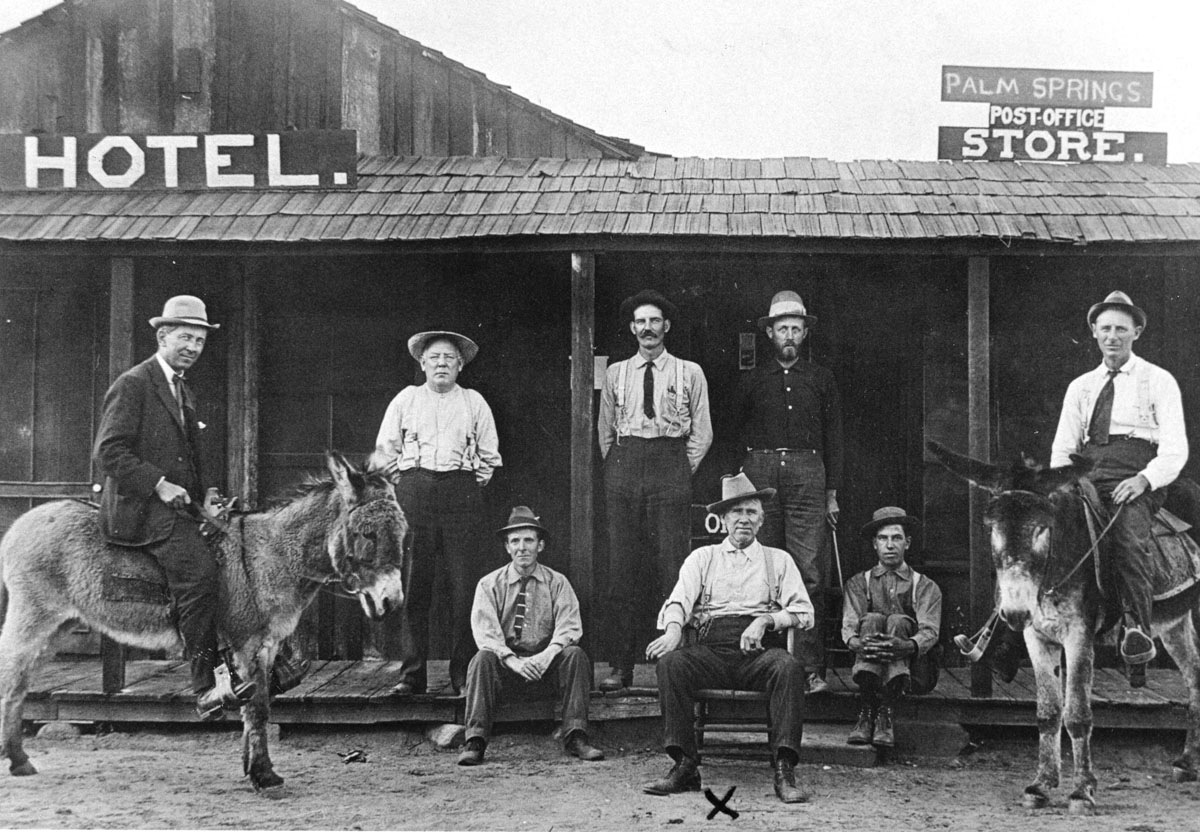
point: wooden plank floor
(344, 692)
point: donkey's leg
(256, 759)
(25, 633)
(1080, 668)
(1045, 657)
(1181, 637)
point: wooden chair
(734, 716)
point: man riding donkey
(1125, 417)
(147, 447)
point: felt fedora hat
(647, 296)
(887, 516)
(184, 310)
(785, 304)
(734, 489)
(522, 517)
(467, 348)
(1117, 300)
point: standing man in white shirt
(438, 444)
(1127, 417)
(654, 430)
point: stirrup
(972, 648)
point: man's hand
(522, 668)
(752, 636)
(1130, 489)
(881, 648)
(173, 495)
(831, 507)
(665, 643)
(538, 664)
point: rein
(1096, 538)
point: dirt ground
(191, 778)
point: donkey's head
(1028, 504)
(367, 544)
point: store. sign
(180, 161)
(1039, 144)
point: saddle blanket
(1175, 557)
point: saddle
(1174, 555)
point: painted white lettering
(95, 162)
(170, 146)
(214, 160)
(34, 162)
(975, 143)
(1134, 90)
(277, 179)
(1073, 141)
(1046, 140)
(1006, 150)
(950, 82)
(1104, 142)
(1008, 86)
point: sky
(839, 79)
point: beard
(788, 351)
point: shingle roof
(425, 198)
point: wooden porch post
(979, 433)
(242, 419)
(120, 359)
(583, 432)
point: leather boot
(785, 782)
(684, 776)
(619, 679)
(287, 672)
(577, 746)
(472, 753)
(210, 702)
(885, 736)
(864, 729)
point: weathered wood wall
(137, 66)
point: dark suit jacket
(141, 439)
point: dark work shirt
(794, 408)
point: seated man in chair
(739, 596)
(891, 614)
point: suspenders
(623, 379)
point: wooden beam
(120, 359)
(242, 407)
(583, 434)
(979, 431)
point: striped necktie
(177, 389)
(519, 617)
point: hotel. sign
(180, 161)
(1048, 115)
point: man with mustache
(438, 444)
(736, 598)
(791, 416)
(654, 430)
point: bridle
(1089, 513)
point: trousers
(648, 490)
(795, 521)
(489, 682)
(876, 623)
(192, 578)
(686, 670)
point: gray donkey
(55, 567)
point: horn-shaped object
(972, 648)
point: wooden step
(824, 744)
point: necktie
(648, 391)
(177, 388)
(1102, 412)
(519, 617)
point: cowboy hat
(183, 310)
(785, 304)
(734, 489)
(522, 517)
(644, 297)
(467, 348)
(890, 515)
(1117, 300)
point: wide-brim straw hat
(888, 516)
(467, 348)
(647, 296)
(522, 517)
(785, 304)
(1117, 300)
(734, 489)
(183, 310)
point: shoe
(1137, 647)
(286, 674)
(864, 729)
(817, 683)
(472, 753)
(1005, 658)
(885, 732)
(785, 783)
(684, 776)
(210, 705)
(406, 688)
(577, 746)
(618, 679)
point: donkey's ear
(346, 477)
(1056, 479)
(982, 474)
